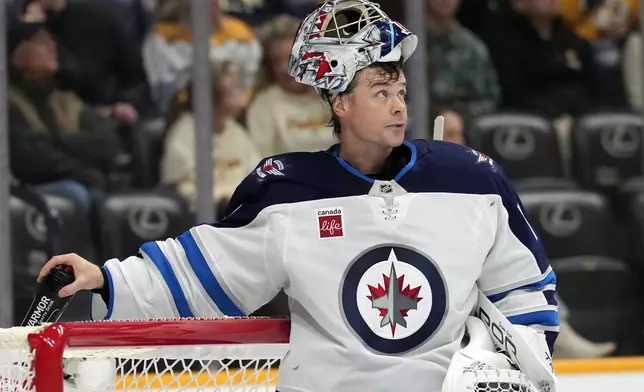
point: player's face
(376, 110)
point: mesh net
(15, 360)
(136, 365)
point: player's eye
(403, 94)
(382, 93)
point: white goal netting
(163, 355)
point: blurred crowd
(100, 96)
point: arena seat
(633, 199)
(605, 300)
(131, 218)
(574, 223)
(525, 145)
(607, 149)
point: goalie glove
(479, 367)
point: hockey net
(229, 354)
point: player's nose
(398, 106)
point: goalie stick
(537, 366)
(439, 123)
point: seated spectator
(53, 135)
(99, 53)
(462, 76)
(234, 154)
(482, 17)
(453, 127)
(542, 65)
(463, 81)
(285, 115)
(597, 19)
(605, 24)
(167, 52)
(632, 70)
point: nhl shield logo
(393, 298)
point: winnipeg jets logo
(394, 298)
(271, 166)
(482, 158)
(392, 301)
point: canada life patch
(330, 223)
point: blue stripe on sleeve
(206, 277)
(548, 318)
(110, 306)
(551, 278)
(163, 265)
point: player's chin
(395, 136)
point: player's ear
(340, 105)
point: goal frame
(49, 344)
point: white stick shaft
(439, 123)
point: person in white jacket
(235, 155)
(285, 115)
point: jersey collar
(335, 151)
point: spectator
(632, 70)
(453, 126)
(142, 13)
(168, 50)
(285, 115)
(605, 24)
(542, 65)
(234, 154)
(56, 141)
(99, 52)
(597, 19)
(462, 77)
(482, 17)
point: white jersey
(381, 275)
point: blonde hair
(182, 99)
(280, 28)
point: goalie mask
(340, 38)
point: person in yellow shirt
(234, 153)
(285, 116)
(600, 18)
(167, 51)
(605, 24)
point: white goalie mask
(478, 367)
(341, 37)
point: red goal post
(144, 355)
